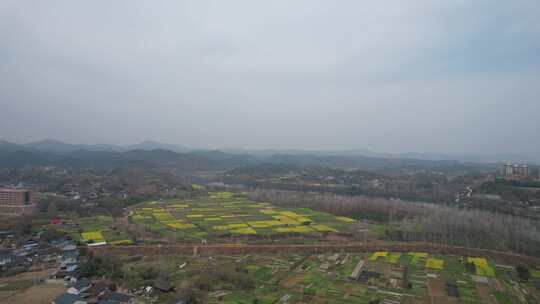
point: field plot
(226, 214)
(326, 278)
(433, 263)
(94, 230)
(482, 267)
(93, 236)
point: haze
(433, 76)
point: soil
(437, 292)
(483, 292)
(292, 280)
(39, 294)
(26, 276)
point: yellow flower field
(345, 219)
(435, 263)
(225, 212)
(378, 254)
(482, 267)
(94, 236)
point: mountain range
(55, 152)
(56, 146)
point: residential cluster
(62, 257)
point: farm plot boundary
(506, 257)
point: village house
(117, 298)
(98, 290)
(68, 298)
(80, 286)
(66, 261)
(163, 285)
(6, 258)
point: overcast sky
(434, 76)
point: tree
(103, 265)
(89, 269)
(24, 225)
(51, 234)
(523, 272)
(52, 209)
(150, 273)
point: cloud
(428, 76)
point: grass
(179, 225)
(503, 298)
(297, 229)
(246, 230)
(393, 257)
(416, 256)
(16, 285)
(380, 230)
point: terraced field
(225, 214)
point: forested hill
(106, 159)
(55, 153)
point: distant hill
(154, 145)
(19, 158)
(197, 160)
(265, 169)
(108, 159)
(229, 159)
(58, 153)
(52, 145)
(358, 162)
(233, 155)
(6, 146)
(464, 158)
(472, 158)
(57, 146)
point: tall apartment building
(16, 202)
(514, 171)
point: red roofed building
(56, 221)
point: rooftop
(13, 190)
(68, 298)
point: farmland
(94, 230)
(406, 277)
(222, 214)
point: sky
(446, 76)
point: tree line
(413, 221)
